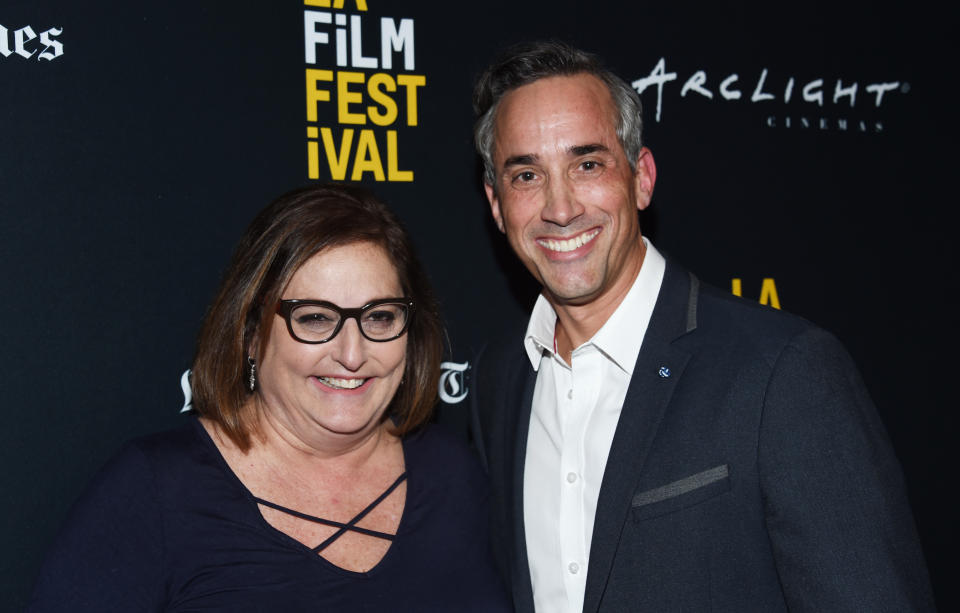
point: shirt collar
(540, 330)
(622, 335)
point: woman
(310, 480)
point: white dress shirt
(575, 411)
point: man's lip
(568, 245)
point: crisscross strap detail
(343, 527)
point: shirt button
(569, 394)
(574, 568)
(571, 477)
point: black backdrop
(137, 139)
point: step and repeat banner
(806, 158)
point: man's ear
(494, 201)
(644, 178)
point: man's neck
(578, 323)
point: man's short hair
(525, 63)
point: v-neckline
(289, 540)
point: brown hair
(286, 234)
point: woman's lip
(330, 383)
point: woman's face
(341, 387)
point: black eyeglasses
(318, 321)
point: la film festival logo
(360, 88)
(845, 99)
(24, 42)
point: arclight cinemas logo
(816, 95)
(26, 43)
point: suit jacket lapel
(521, 393)
(644, 406)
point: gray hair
(528, 62)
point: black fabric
(166, 526)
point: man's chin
(571, 294)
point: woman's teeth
(346, 384)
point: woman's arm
(108, 555)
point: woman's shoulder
(115, 529)
(138, 458)
(435, 439)
(173, 442)
(149, 464)
(445, 455)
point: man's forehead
(573, 112)
(559, 89)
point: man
(655, 444)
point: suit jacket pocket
(682, 493)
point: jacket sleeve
(835, 502)
(108, 555)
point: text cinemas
(359, 93)
(26, 43)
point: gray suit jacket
(749, 470)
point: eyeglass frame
(285, 309)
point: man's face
(564, 192)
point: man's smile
(569, 244)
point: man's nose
(562, 205)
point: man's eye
(525, 176)
(590, 165)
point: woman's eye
(380, 316)
(314, 319)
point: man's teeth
(570, 244)
(347, 384)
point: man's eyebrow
(576, 150)
(520, 160)
(588, 149)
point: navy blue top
(167, 526)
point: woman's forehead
(347, 275)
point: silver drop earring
(253, 373)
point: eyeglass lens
(313, 322)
